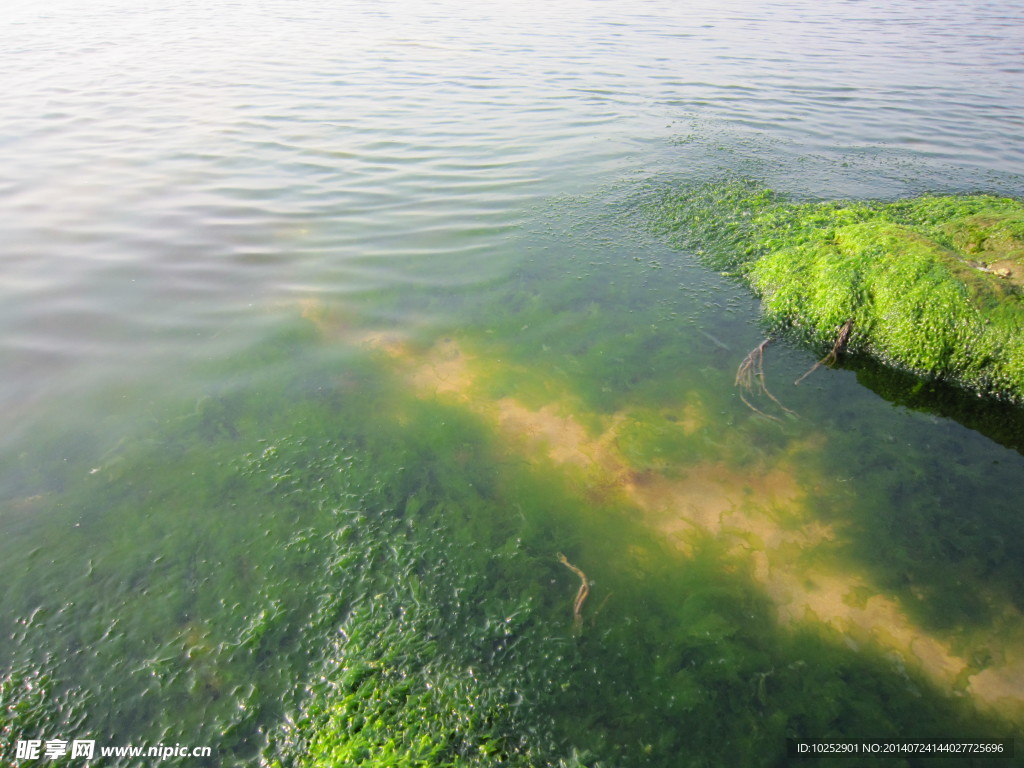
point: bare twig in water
(832, 357)
(751, 369)
(581, 594)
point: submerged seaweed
(353, 558)
(393, 597)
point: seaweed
(931, 285)
(328, 566)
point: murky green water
(325, 330)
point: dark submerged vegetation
(393, 597)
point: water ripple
(165, 163)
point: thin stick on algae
(753, 367)
(832, 357)
(581, 595)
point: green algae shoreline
(930, 285)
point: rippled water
(182, 181)
(172, 171)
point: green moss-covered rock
(932, 285)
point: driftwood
(832, 357)
(750, 375)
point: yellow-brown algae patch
(331, 324)
(1001, 681)
(391, 344)
(824, 597)
(337, 325)
(678, 506)
(1001, 687)
(444, 371)
(694, 414)
(560, 438)
(762, 508)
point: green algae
(28, 704)
(374, 579)
(369, 580)
(931, 284)
(653, 441)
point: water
(406, 240)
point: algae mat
(931, 284)
(389, 591)
(756, 518)
(758, 511)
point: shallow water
(266, 266)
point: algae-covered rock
(932, 285)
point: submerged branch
(751, 369)
(581, 594)
(832, 357)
